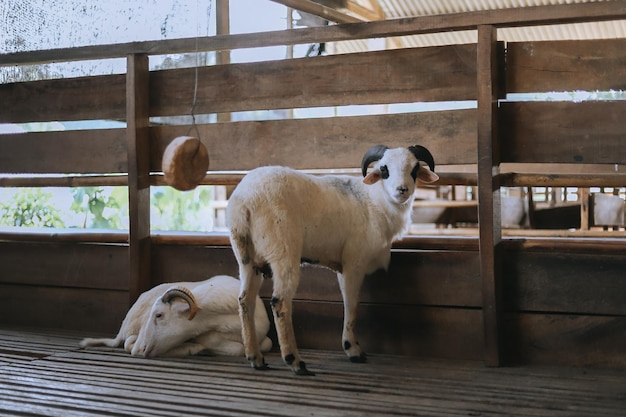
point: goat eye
(159, 315)
(416, 168)
(384, 172)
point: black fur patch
(416, 168)
(274, 301)
(262, 367)
(347, 345)
(362, 358)
(303, 371)
(384, 172)
(264, 269)
(242, 304)
(290, 358)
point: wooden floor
(45, 373)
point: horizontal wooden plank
(565, 340)
(564, 282)
(608, 244)
(544, 281)
(395, 329)
(74, 151)
(423, 278)
(69, 308)
(199, 263)
(85, 98)
(65, 265)
(326, 143)
(46, 234)
(513, 175)
(216, 240)
(211, 178)
(512, 17)
(588, 133)
(64, 180)
(396, 76)
(562, 180)
(442, 240)
(444, 73)
(449, 135)
(587, 65)
(506, 179)
(328, 13)
(445, 278)
(564, 132)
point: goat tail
(240, 239)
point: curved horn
(424, 155)
(372, 155)
(186, 295)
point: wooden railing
(497, 132)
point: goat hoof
(262, 367)
(302, 371)
(362, 358)
(258, 366)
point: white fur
(278, 217)
(152, 327)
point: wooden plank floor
(43, 372)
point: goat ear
(426, 175)
(181, 308)
(373, 177)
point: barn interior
(506, 295)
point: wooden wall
(502, 300)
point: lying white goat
(186, 318)
(279, 218)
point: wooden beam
(563, 180)
(317, 9)
(489, 190)
(222, 27)
(137, 109)
(357, 9)
(583, 197)
(525, 16)
(64, 181)
(375, 13)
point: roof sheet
(411, 8)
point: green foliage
(103, 208)
(175, 210)
(30, 207)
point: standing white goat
(280, 218)
(186, 318)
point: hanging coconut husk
(185, 163)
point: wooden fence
(502, 300)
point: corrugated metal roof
(411, 8)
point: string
(194, 126)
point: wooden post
(489, 190)
(222, 27)
(583, 197)
(137, 125)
